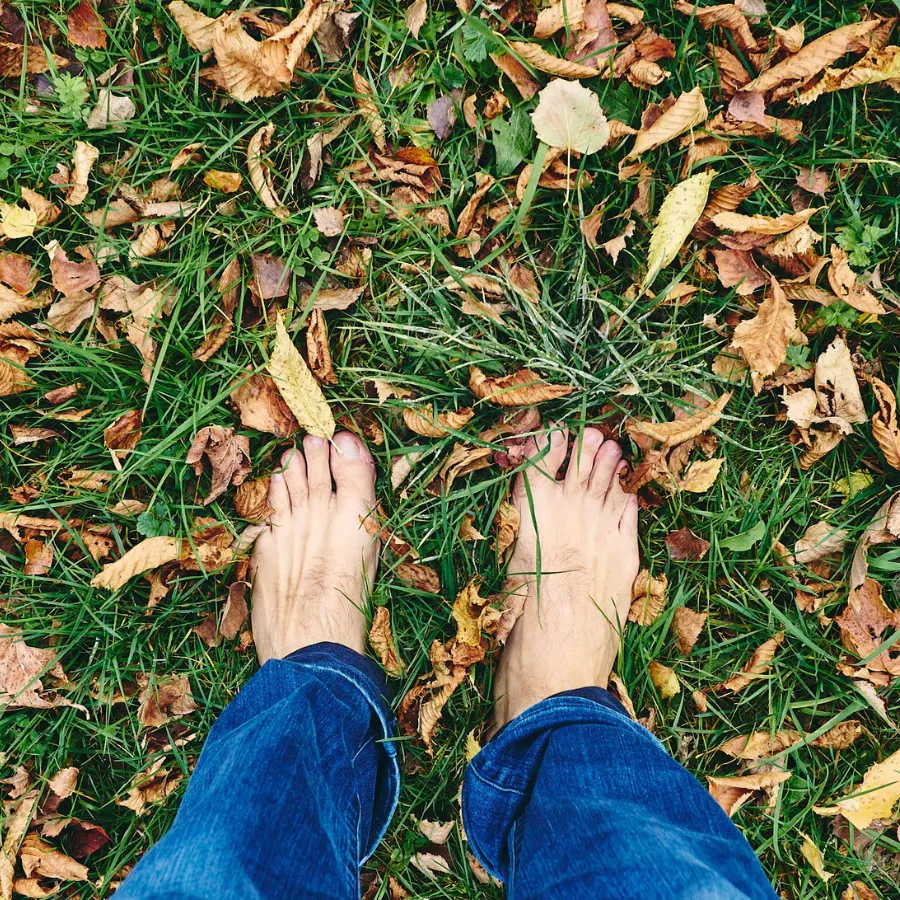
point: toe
(294, 475)
(616, 498)
(353, 469)
(279, 498)
(578, 475)
(548, 449)
(629, 522)
(605, 463)
(318, 468)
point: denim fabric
(294, 789)
(298, 781)
(574, 799)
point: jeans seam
(494, 786)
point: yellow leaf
(874, 798)
(665, 680)
(298, 386)
(473, 748)
(677, 216)
(763, 224)
(150, 553)
(813, 855)
(543, 61)
(16, 221)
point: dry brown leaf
(726, 15)
(763, 340)
(738, 269)
(701, 475)
(759, 663)
(687, 625)
(682, 429)
(14, 59)
(421, 577)
(732, 792)
(836, 386)
(21, 669)
(415, 16)
(687, 112)
(517, 74)
(85, 27)
(365, 102)
(879, 64)
(540, 59)
(649, 598)
(523, 388)
(811, 59)
(297, 385)
(562, 14)
(763, 224)
(258, 170)
(163, 699)
(382, 639)
(823, 442)
(506, 524)
(318, 352)
(151, 553)
(760, 744)
(220, 329)
(845, 284)
(884, 422)
(262, 407)
(684, 544)
(40, 858)
(122, 435)
(151, 787)
(819, 540)
(228, 454)
(421, 420)
(865, 624)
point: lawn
(409, 286)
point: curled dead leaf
(523, 388)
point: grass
(408, 329)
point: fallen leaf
(688, 111)
(111, 109)
(18, 272)
(506, 524)
(21, 669)
(329, 220)
(811, 59)
(259, 172)
(726, 15)
(760, 744)
(813, 855)
(562, 14)
(83, 160)
(865, 624)
(732, 792)
(423, 578)
(677, 217)
(151, 787)
(16, 221)
(40, 858)
(836, 386)
(441, 116)
(858, 890)
(687, 625)
(819, 540)
(163, 699)
(664, 679)
(763, 340)
(436, 832)
(261, 407)
(122, 435)
(845, 284)
(421, 421)
(701, 475)
(759, 663)
(537, 57)
(228, 454)
(318, 351)
(517, 74)
(738, 269)
(759, 224)
(878, 65)
(251, 500)
(874, 798)
(365, 102)
(297, 385)
(568, 116)
(523, 388)
(382, 639)
(682, 429)
(85, 27)
(813, 181)
(151, 553)
(226, 182)
(884, 422)
(416, 13)
(648, 598)
(684, 544)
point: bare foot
(577, 555)
(314, 565)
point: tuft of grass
(409, 330)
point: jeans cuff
(365, 675)
(499, 780)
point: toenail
(277, 476)
(592, 438)
(350, 448)
(315, 440)
(286, 457)
(556, 438)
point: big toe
(353, 470)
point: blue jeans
(298, 781)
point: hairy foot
(314, 564)
(576, 558)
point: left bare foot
(314, 565)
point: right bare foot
(576, 557)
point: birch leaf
(568, 116)
(677, 216)
(298, 386)
(16, 221)
(874, 798)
